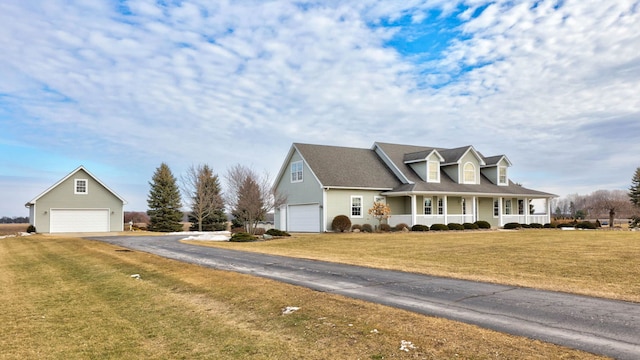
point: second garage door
(79, 220)
(304, 218)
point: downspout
(323, 215)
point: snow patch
(205, 236)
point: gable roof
(336, 166)
(32, 202)
(396, 155)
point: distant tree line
(607, 204)
(14, 220)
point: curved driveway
(599, 326)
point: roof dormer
(496, 169)
(463, 164)
(426, 164)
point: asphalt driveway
(599, 326)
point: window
(496, 207)
(469, 173)
(507, 207)
(356, 206)
(433, 171)
(296, 171)
(80, 186)
(428, 206)
(520, 207)
(463, 202)
(440, 206)
(502, 175)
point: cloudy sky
(122, 86)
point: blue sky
(122, 86)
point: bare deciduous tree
(250, 196)
(609, 202)
(201, 187)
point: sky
(122, 86)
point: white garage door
(304, 218)
(79, 220)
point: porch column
(445, 207)
(474, 209)
(500, 211)
(548, 210)
(413, 210)
(526, 210)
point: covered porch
(429, 209)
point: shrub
(536, 226)
(512, 225)
(483, 224)
(470, 226)
(439, 227)
(236, 230)
(259, 231)
(401, 226)
(356, 227)
(276, 232)
(566, 225)
(586, 225)
(367, 228)
(525, 226)
(31, 229)
(419, 227)
(455, 226)
(549, 226)
(385, 227)
(242, 237)
(341, 223)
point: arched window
(469, 173)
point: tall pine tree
(634, 190)
(207, 207)
(164, 201)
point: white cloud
(225, 82)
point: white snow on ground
(13, 235)
(204, 236)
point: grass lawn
(69, 298)
(597, 263)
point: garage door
(304, 218)
(79, 220)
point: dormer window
(433, 171)
(296, 171)
(80, 186)
(469, 173)
(502, 175)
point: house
(421, 185)
(79, 202)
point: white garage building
(79, 202)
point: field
(11, 229)
(69, 298)
(596, 263)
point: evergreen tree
(207, 206)
(164, 201)
(634, 190)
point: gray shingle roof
(362, 168)
(347, 167)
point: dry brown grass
(12, 229)
(596, 263)
(69, 298)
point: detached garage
(79, 202)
